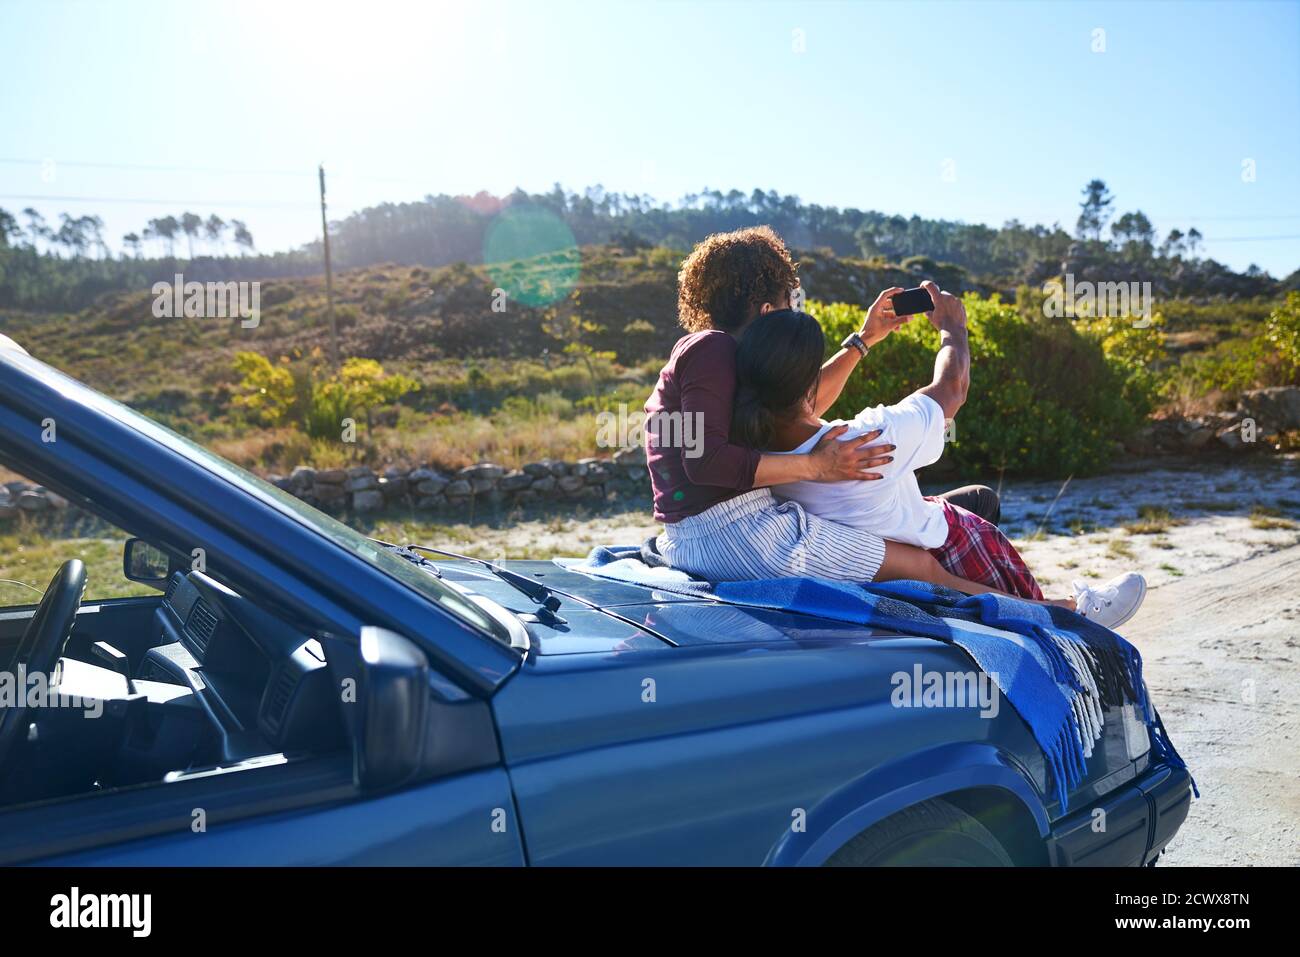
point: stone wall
(362, 489)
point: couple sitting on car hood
(772, 490)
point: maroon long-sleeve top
(693, 463)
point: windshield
(342, 535)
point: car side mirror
(146, 563)
(385, 687)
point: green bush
(1045, 399)
(1282, 334)
(298, 394)
(1268, 357)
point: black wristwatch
(853, 340)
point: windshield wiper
(404, 551)
(538, 592)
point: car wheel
(932, 834)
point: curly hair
(728, 277)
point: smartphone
(911, 301)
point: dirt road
(1222, 652)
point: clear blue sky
(241, 100)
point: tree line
(76, 236)
(43, 267)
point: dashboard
(261, 683)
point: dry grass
(1152, 520)
(456, 441)
(1269, 519)
(264, 447)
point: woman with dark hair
(713, 495)
(779, 370)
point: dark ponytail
(778, 365)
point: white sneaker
(1111, 603)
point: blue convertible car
(299, 694)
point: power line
(207, 170)
(1246, 239)
(149, 168)
(155, 202)
(213, 170)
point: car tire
(931, 834)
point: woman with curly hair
(713, 496)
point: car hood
(615, 620)
(606, 615)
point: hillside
(412, 319)
(509, 384)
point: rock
(1230, 438)
(1166, 435)
(583, 467)
(328, 493)
(331, 476)
(1222, 419)
(598, 474)
(368, 500)
(434, 485)
(638, 474)
(395, 473)
(630, 457)
(545, 485)
(482, 485)
(545, 467)
(362, 483)
(416, 476)
(31, 500)
(515, 481)
(55, 499)
(482, 471)
(458, 489)
(1141, 442)
(431, 501)
(302, 478)
(15, 487)
(1272, 409)
(571, 483)
(1199, 437)
(392, 487)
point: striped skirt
(755, 536)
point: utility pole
(329, 274)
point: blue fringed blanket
(1059, 670)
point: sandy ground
(1222, 660)
(1220, 629)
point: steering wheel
(42, 644)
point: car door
(452, 803)
(311, 813)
